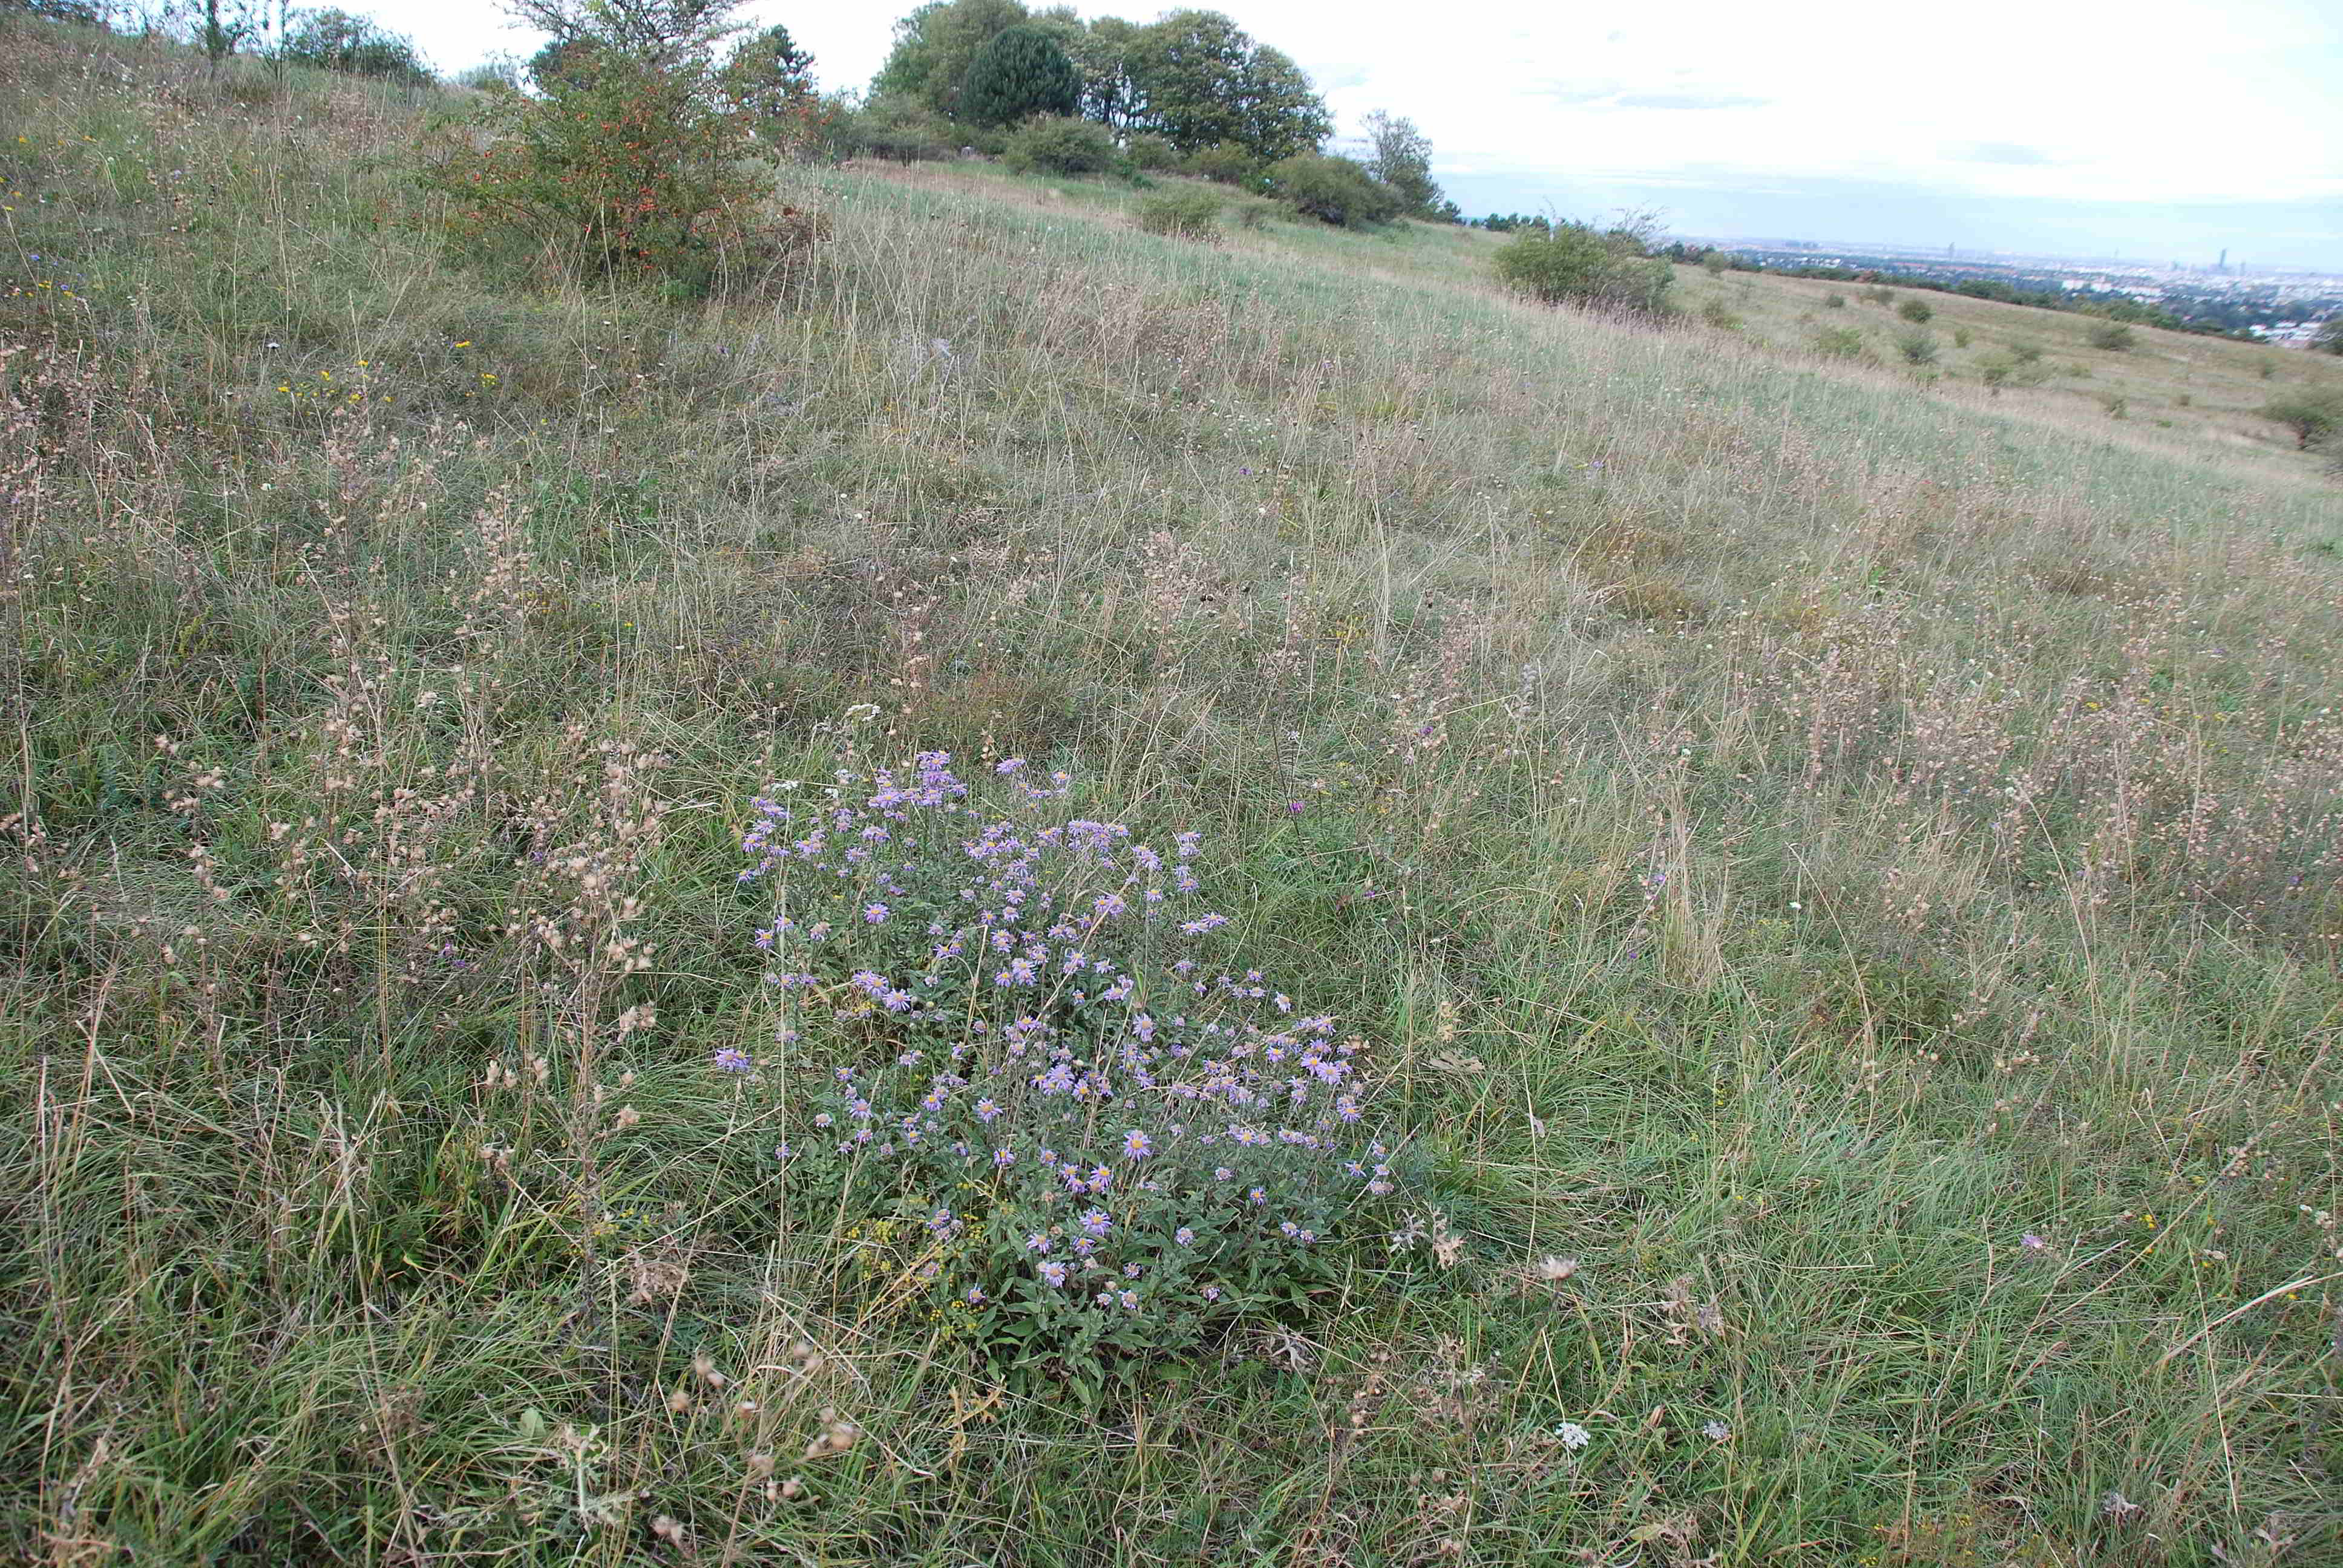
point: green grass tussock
(1840, 880)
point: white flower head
(1717, 1431)
(1572, 1436)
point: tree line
(1190, 90)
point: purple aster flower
(874, 914)
(1183, 1235)
(733, 1060)
(1137, 1145)
(1097, 1221)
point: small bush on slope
(1180, 214)
(1063, 146)
(638, 164)
(1574, 265)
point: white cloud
(2175, 100)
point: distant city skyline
(2193, 126)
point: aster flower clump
(1087, 1140)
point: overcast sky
(2161, 129)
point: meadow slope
(1840, 882)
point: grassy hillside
(1837, 882)
(2180, 393)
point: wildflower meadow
(986, 885)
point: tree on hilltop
(1194, 78)
(1019, 72)
(663, 31)
(1400, 156)
(336, 40)
(769, 75)
(1104, 51)
(1206, 81)
(935, 45)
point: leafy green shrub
(1917, 311)
(1833, 302)
(1338, 191)
(1226, 163)
(2112, 336)
(335, 40)
(1917, 347)
(498, 76)
(1189, 214)
(771, 79)
(1020, 72)
(2312, 413)
(899, 131)
(1018, 1085)
(1254, 213)
(2116, 405)
(81, 13)
(1841, 343)
(1571, 263)
(639, 164)
(2008, 369)
(1961, 337)
(1058, 144)
(1151, 154)
(768, 75)
(1881, 295)
(1399, 159)
(2026, 352)
(1718, 314)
